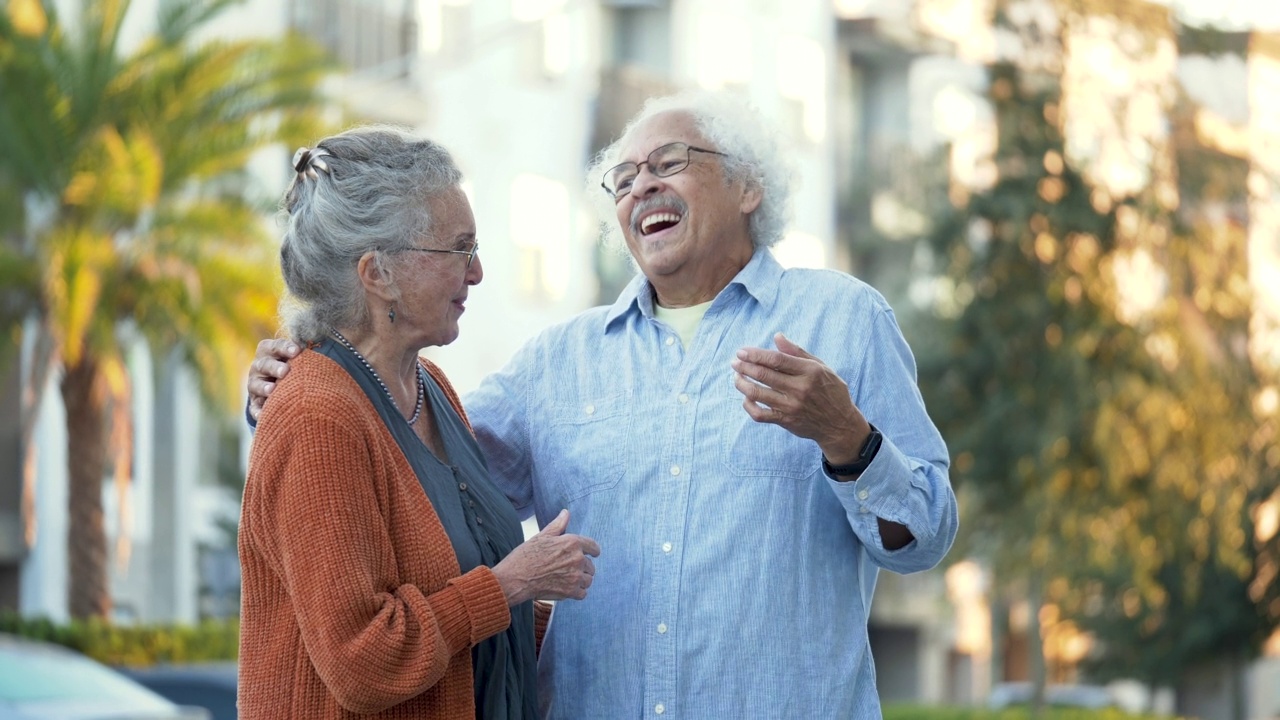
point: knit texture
(352, 601)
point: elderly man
(747, 444)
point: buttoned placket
(691, 369)
(467, 501)
(673, 469)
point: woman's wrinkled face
(434, 285)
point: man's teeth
(657, 218)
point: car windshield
(34, 674)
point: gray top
(481, 524)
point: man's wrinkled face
(692, 216)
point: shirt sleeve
(907, 482)
(499, 412)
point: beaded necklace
(422, 387)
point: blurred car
(50, 682)
(1011, 694)
(211, 686)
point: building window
(724, 50)
(802, 80)
(642, 39)
(547, 37)
(443, 28)
(800, 249)
(362, 34)
(541, 226)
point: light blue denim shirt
(735, 577)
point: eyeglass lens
(663, 162)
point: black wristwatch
(870, 447)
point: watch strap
(866, 454)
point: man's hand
(269, 365)
(793, 389)
(810, 400)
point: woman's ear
(374, 277)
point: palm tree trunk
(84, 393)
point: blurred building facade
(877, 98)
(523, 92)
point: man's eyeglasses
(663, 162)
(470, 252)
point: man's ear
(373, 277)
(751, 197)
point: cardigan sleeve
(373, 640)
(541, 619)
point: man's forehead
(665, 127)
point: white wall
(43, 589)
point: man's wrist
(845, 443)
(860, 461)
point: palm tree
(124, 212)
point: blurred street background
(1072, 205)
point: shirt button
(479, 521)
(659, 708)
(862, 494)
(863, 509)
(471, 503)
(662, 628)
(670, 341)
(666, 547)
(462, 487)
(590, 409)
(683, 398)
(675, 469)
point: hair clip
(307, 161)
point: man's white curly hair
(730, 125)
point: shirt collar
(760, 279)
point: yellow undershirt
(683, 320)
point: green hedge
(133, 645)
(927, 712)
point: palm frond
(115, 180)
(19, 285)
(78, 264)
(176, 20)
(212, 107)
(143, 156)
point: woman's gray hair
(362, 190)
(730, 125)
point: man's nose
(646, 182)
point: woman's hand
(551, 565)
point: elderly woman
(383, 574)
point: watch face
(870, 447)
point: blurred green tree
(1107, 446)
(125, 211)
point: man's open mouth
(658, 222)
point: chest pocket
(752, 449)
(586, 445)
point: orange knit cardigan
(352, 599)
